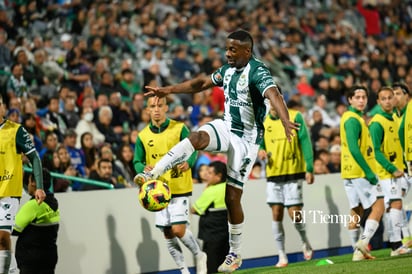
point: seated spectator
(16, 84)
(76, 156)
(334, 161)
(104, 174)
(29, 123)
(319, 167)
(90, 151)
(124, 162)
(86, 124)
(106, 152)
(53, 120)
(103, 124)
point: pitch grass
(383, 263)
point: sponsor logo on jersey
(217, 77)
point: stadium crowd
(71, 68)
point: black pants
(216, 253)
(30, 270)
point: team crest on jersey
(218, 77)
(242, 81)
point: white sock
(235, 237)
(405, 225)
(370, 228)
(5, 258)
(178, 154)
(190, 242)
(301, 228)
(396, 219)
(13, 264)
(176, 252)
(354, 236)
(279, 235)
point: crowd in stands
(74, 72)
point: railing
(77, 179)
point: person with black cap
(37, 227)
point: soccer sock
(279, 235)
(301, 228)
(370, 228)
(405, 225)
(178, 154)
(5, 257)
(396, 220)
(235, 237)
(174, 249)
(354, 236)
(190, 242)
(13, 264)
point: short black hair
(242, 36)
(401, 86)
(351, 92)
(47, 180)
(220, 168)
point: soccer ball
(154, 195)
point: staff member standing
(213, 223)
(37, 227)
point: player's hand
(398, 174)
(183, 166)
(310, 179)
(372, 178)
(40, 195)
(262, 155)
(147, 168)
(289, 127)
(157, 91)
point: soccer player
(211, 207)
(402, 96)
(357, 171)
(14, 140)
(384, 131)
(288, 165)
(247, 82)
(156, 139)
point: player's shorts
(8, 210)
(285, 193)
(241, 153)
(392, 189)
(361, 191)
(406, 185)
(177, 212)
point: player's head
(157, 109)
(386, 99)
(239, 48)
(402, 94)
(357, 97)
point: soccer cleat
(357, 256)
(231, 263)
(201, 263)
(283, 261)
(364, 249)
(142, 178)
(407, 241)
(401, 251)
(307, 251)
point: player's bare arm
(276, 98)
(194, 85)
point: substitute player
(357, 171)
(288, 165)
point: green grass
(343, 264)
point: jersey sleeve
(25, 215)
(217, 77)
(203, 202)
(24, 143)
(263, 79)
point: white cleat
(401, 251)
(231, 263)
(307, 251)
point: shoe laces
(230, 258)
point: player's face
(237, 53)
(386, 100)
(359, 100)
(401, 99)
(157, 110)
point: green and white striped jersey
(245, 106)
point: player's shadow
(117, 257)
(334, 228)
(147, 252)
(73, 250)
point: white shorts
(241, 153)
(392, 189)
(8, 210)
(286, 193)
(361, 191)
(177, 212)
(406, 184)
